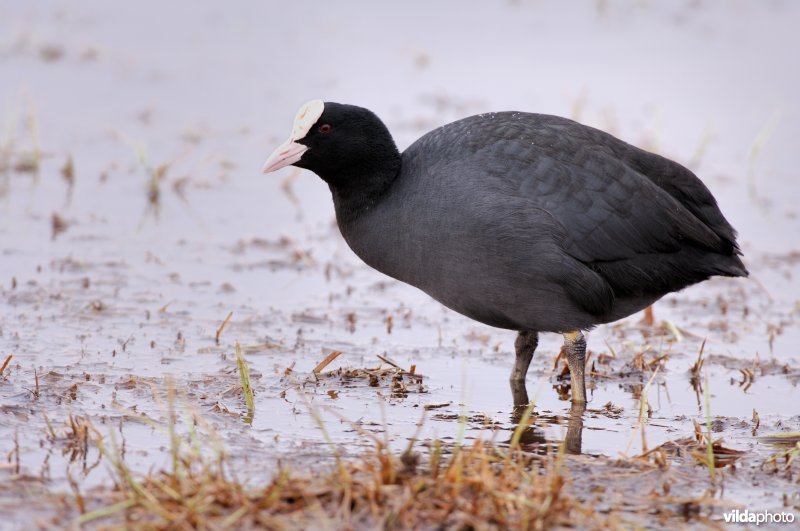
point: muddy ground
(134, 220)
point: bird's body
(534, 222)
(522, 221)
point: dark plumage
(522, 221)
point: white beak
(291, 151)
(284, 155)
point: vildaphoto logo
(761, 517)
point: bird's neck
(361, 188)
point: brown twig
(399, 368)
(5, 364)
(328, 359)
(222, 327)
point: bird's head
(338, 142)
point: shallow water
(133, 290)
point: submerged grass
(11, 156)
(641, 423)
(462, 484)
(709, 443)
(789, 456)
(247, 388)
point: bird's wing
(589, 181)
(673, 178)
(609, 211)
(599, 212)
(617, 231)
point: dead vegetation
(697, 447)
(5, 364)
(402, 381)
(475, 485)
(463, 487)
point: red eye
(325, 129)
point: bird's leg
(575, 346)
(525, 345)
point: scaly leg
(525, 346)
(575, 346)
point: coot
(523, 221)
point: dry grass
(475, 487)
(403, 382)
(701, 447)
(788, 456)
(222, 327)
(479, 486)
(5, 364)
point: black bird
(528, 222)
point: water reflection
(534, 436)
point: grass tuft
(465, 487)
